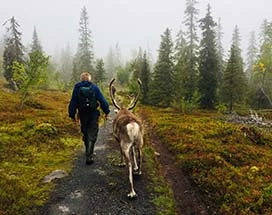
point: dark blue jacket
(73, 105)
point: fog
(130, 23)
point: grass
(34, 142)
(233, 173)
(39, 139)
(163, 197)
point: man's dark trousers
(89, 129)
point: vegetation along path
(102, 187)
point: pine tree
(13, 51)
(36, 44)
(162, 91)
(145, 76)
(118, 55)
(220, 53)
(83, 61)
(113, 62)
(208, 65)
(192, 66)
(110, 64)
(65, 64)
(1, 56)
(234, 80)
(261, 88)
(180, 70)
(252, 53)
(264, 30)
(137, 64)
(99, 75)
(37, 56)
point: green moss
(34, 142)
(218, 157)
(163, 196)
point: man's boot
(89, 153)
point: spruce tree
(113, 61)
(137, 64)
(145, 77)
(1, 56)
(264, 32)
(208, 64)
(251, 62)
(83, 61)
(261, 80)
(252, 53)
(180, 69)
(162, 91)
(66, 64)
(110, 64)
(99, 75)
(36, 44)
(13, 51)
(234, 80)
(35, 57)
(191, 36)
(220, 53)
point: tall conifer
(36, 44)
(208, 63)
(234, 80)
(220, 53)
(162, 85)
(192, 40)
(13, 51)
(83, 61)
(145, 76)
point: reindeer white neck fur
(128, 131)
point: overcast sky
(130, 23)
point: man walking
(86, 98)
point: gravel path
(101, 188)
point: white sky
(130, 23)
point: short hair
(85, 76)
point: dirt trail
(101, 188)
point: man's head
(85, 76)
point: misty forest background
(230, 163)
(191, 70)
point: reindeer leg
(132, 193)
(135, 165)
(140, 158)
(122, 158)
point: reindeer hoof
(132, 195)
(137, 172)
(121, 164)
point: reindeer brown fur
(128, 131)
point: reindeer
(128, 132)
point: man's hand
(107, 117)
(73, 118)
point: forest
(190, 72)
(192, 84)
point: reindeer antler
(111, 95)
(136, 98)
